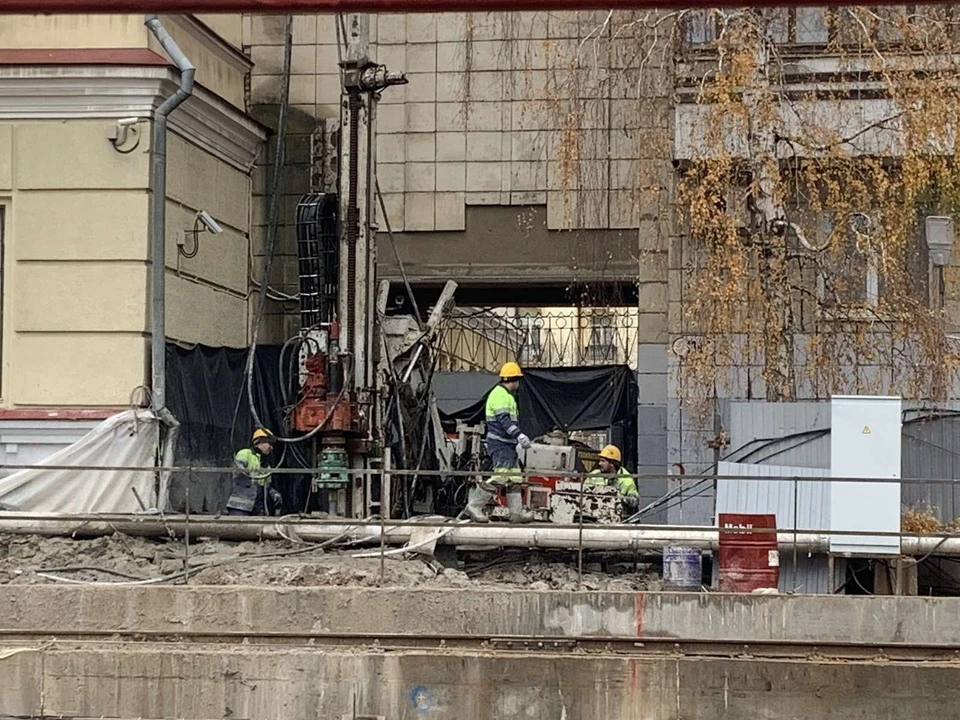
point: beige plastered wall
(76, 261)
(75, 314)
(48, 32)
(211, 44)
(74, 265)
(206, 294)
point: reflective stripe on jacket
(501, 415)
(625, 484)
(250, 480)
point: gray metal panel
(810, 574)
(810, 499)
(930, 450)
(27, 442)
(760, 432)
(693, 502)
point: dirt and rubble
(28, 559)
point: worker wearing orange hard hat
(611, 463)
(503, 437)
(252, 493)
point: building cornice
(88, 92)
(213, 42)
(81, 56)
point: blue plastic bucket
(682, 568)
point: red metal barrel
(747, 560)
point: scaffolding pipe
(617, 537)
(158, 249)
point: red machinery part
(382, 6)
(311, 412)
(747, 560)
(548, 484)
(317, 402)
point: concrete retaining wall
(105, 677)
(171, 682)
(488, 613)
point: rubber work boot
(477, 500)
(518, 513)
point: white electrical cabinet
(865, 438)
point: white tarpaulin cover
(128, 439)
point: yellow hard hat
(510, 370)
(261, 434)
(611, 452)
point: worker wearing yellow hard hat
(503, 437)
(611, 464)
(252, 492)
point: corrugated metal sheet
(762, 432)
(810, 574)
(931, 449)
(807, 500)
(810, 499)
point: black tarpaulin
(206, 392)
(594, 398)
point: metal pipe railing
(385, 6)
(467, 474)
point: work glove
(276, 501)
(631, 503)
(524, 441)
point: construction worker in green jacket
(503, 437)
(252, 492)
(610, 463)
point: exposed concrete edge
(486, 613)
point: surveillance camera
(209, 223)
(127, 122)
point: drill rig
(338, 347)
(364, 395)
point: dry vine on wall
(801, 194)
(804, 198)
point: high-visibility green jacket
(250, 461)
(625, 484)
(250, 482)
(501, 415)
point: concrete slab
(484, 613)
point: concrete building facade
(76, 325)
(532, 158)
(528, 158)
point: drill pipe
(614, 537)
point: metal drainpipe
(158, 229)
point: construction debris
(121, 559)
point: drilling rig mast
(339, 351)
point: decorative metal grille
(484, 338)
